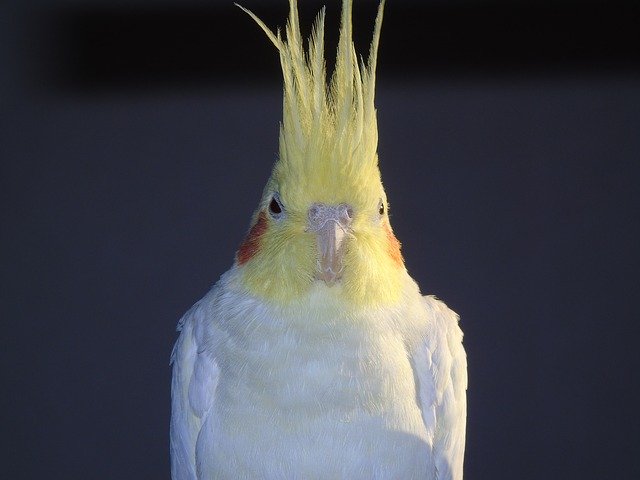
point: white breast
(312, 395)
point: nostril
(345, 212)
(313, 211)
(349, 212)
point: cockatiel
(316, 356)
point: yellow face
(330, 227)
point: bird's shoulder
(441, 371)
(443, 357)
(195, 378)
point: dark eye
(274, 206)
(381, 208)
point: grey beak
(331, 224)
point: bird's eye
(381, 208)
(275, 207)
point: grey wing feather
(441, 371)
(195, 376)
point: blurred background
(136, 137)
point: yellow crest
(328, 132)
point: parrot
(316, 356)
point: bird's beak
(331, 224)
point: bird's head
(323, 218)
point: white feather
(441, 370)
(317, 390)
(195, 376)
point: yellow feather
(328, 144)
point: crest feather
(326, 128)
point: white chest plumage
(322, 396)
(317, 392)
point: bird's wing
(195, 376)
(441, 371)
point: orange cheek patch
(393, 247)
(251, 244)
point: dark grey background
(510, 152)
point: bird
(316, 356)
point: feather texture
(317, 389)
(326, 130)
(195, 377)
(441, 372)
